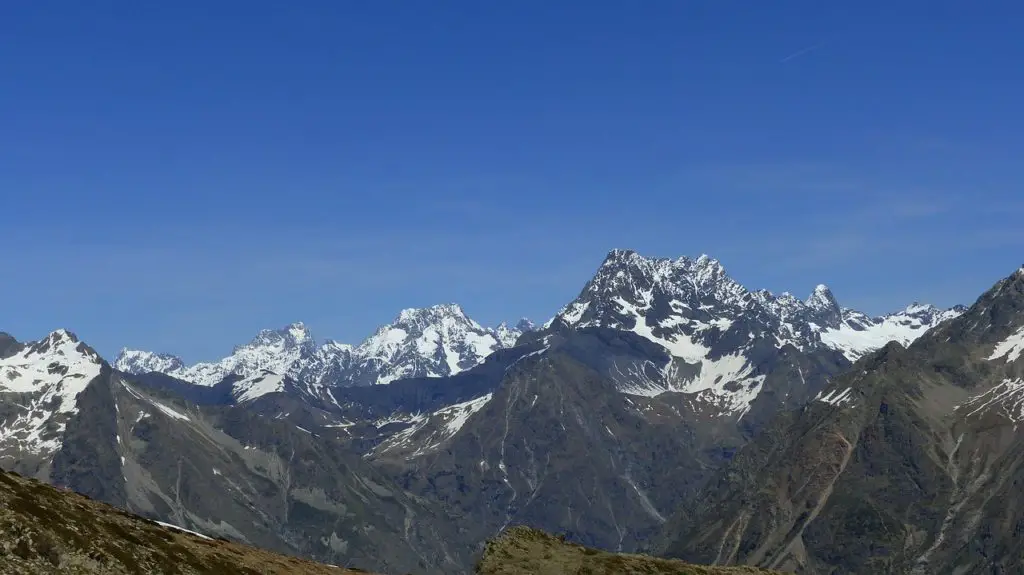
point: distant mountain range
(438, 341)
(436, 433)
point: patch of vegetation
(525, 551)
(44, 530)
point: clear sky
(177, 175)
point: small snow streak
(440, 426)
(836, 397)
(161, 407)
(1005, 399)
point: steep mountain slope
(618, 410)
(524, 551)
(431, 342)
(910, 463)
(46, 531)
(221, 470)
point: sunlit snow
(1010, 348)
(173, 414)
(54, 370)
(176, 528)
(448, 420)
(902, 327)
(252, 388)
(1006, 399)
(836, 396)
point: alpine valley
(667, 408)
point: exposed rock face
(226, 471)
(909, 463)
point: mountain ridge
(436, 341)
(908, 463)
(650, 380)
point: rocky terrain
(613, 414)
(46, 531)
(911, 462)
(71, 420)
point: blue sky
(176, 176)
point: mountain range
(911, 462)
(438, 341)
(609, 423)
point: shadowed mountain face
(910, 463)
(220, 470)
(557, 445)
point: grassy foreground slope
(525, 551)
(44, 530)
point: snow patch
(53, 371)
(173, 414)
(1011, 348)
(447, 421)
(251, 388)
(836, 397)
(1006, 399)
(182, 529)
(860, 335)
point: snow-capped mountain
(271, 350)
(44, 379)
(678, 303)
(68, 419)
(430, 342)
(717, 332)
(858, 334)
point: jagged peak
(822, 298)
(63, 335)
(621, 263)
(63, 340)
(138, 361)
(618, 254)
(336, 345)
(127, 351)
(525, 324)
(418, 314)
(918, 307)
(292, 335)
